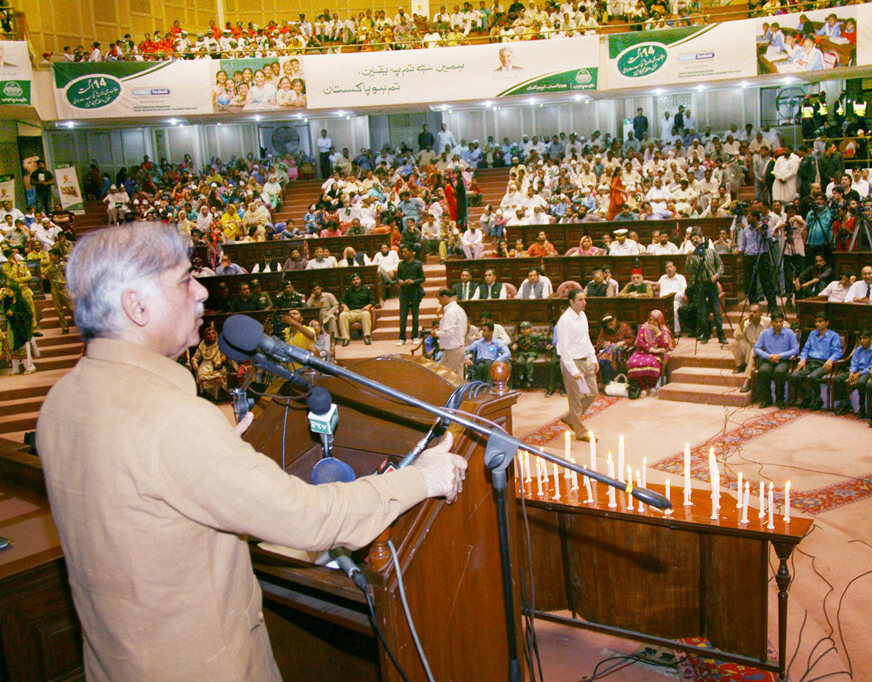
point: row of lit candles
(641, 480)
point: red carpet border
(545, 434)
(814, 501)
(694, 667)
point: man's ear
(134, 307)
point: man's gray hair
(105, 263)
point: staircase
(703, 373)
(22, 395)
(297, 198)
(95, 217)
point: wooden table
(657, 578)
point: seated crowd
(369, 30)
(462, 24)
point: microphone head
(232, 351)
(243, 333)
(319, 401)
(651, 498)
(332, 470)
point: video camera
(739, 208)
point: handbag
(617, 387)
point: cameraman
(754, 244)
(820, 228)
(703, 269)
(791, 231)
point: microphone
(244, 336)
(322, 417)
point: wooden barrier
(246, 254)
(852, 262)
(568, 235)
(334, 280)
(845, 318)
(511, 312)
(580, 269)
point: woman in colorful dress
(653, 345)
(210, 365)
(611, 347)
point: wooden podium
(449, 554)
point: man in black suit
(465, 288)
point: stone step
(61, 362)
(24, 421)
(23, 404)
(677, 361)
(53, 337)
(704, 394)
(708, 376)
(59, 350)
(30, 391)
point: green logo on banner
(13, 90)
(642, 60)
(93, 92)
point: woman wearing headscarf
(611, 346)
(653, 345)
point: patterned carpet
(545, 434)
(694, 667)
(814, 501)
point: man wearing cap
(637, 286)
(578, 363)
(46, 232)
(356, 305)
(527, 347)
(817, 358)
(623, 246)
(116, 201)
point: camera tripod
(860, 222)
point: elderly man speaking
(153, 491)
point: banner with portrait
(7, 188)
(815, 40)
(453, 73)
(16, 74)
(257, 84)
(68, 188)
(122, 89)
(690, 54)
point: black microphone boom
(245, 335)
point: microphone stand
(499, 454)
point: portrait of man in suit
(507, 60)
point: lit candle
(527, 466)
(771, 504)
(668, 495)
(787, 502)
(567, 444)
(545, 479)
(687, 489)
(621, 458)
(592, 450)
(574, 476)
(587, 487)
(644, 472)
(745, 502)
(712, 464)
(539, 484)
(629, 488)
(610, 467)
(556, 483)
(639, 483)
(762, 513)
(739, 488)
(716, 494)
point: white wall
(343, 132)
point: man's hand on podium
(443, 471)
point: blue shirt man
(820, 223)
(856, 378)
(774, 347)
(481, 354)
(822, 348)
(782, 344)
